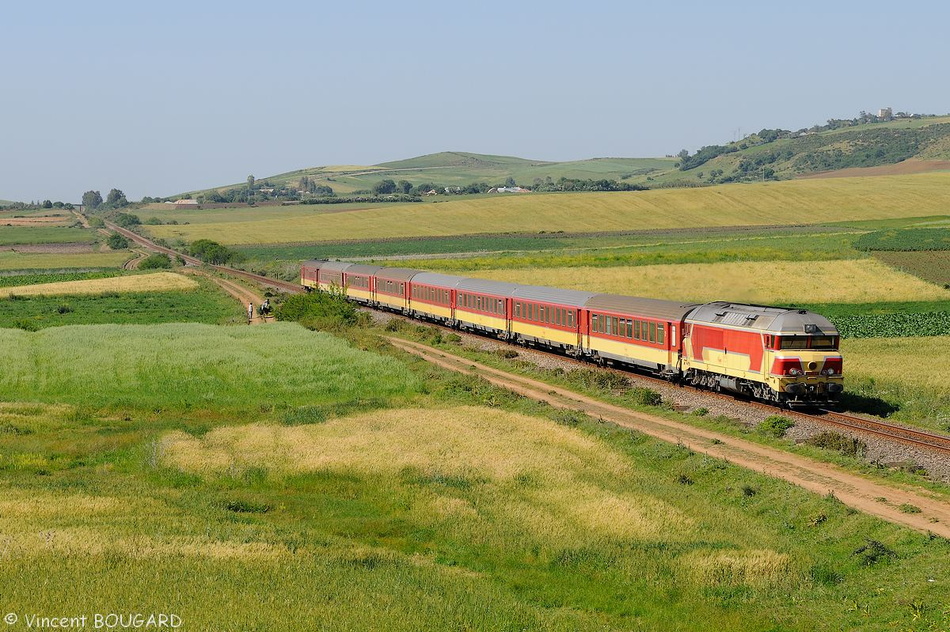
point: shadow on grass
(870, 405)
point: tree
(92, 200)
(510, 182)
(116, 199)
(405, 186)
(117, 242)
(385, 187)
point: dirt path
(875, 498)
(238, 291)
(133, 263)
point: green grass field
(793, 202)
(207, 471)
(206, 304)
(42, 261)
(12, 235)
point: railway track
(920, 439)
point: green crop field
(794, 202)
(12, 235)
(205, 304)
(43, 261)
(928, 265)
(203, 470)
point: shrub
(838, 442)
(156, 261)
(320, 310)
(645, 396)
(775, 426)
(117, 242)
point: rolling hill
(865, 146)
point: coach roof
(439, 280)
(483, 286)
(396, 274)
(541, 294)
(647, 307)
(334, 266)
(362, 269)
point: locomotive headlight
(829, 371)
(793, 372)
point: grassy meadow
(53, 261)
(770, 203)
(233, 476)
(13, 235)
(200, 302)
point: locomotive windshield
(808, 342)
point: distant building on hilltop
(885, 113)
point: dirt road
(872, 497)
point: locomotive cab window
(794, 342)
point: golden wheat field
(156, 282)
(912, 362)
(778, 282)
(789, 202)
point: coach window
(652, 332)
(570, 318)
(629, 328)
(593, 322)
(660, 334)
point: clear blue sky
(158, 98)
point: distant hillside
(458, 169)
(861, 146)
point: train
(788, 357)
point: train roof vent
(734, 318)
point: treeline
(575, 184)
(35, 206)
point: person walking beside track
(250, 313)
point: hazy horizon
(158, 100)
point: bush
(838, 442)
(775, 426)
(645, 396)
(214, 253)
(320, 310)
(126, 220)
(117, 242)
(156, 261)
